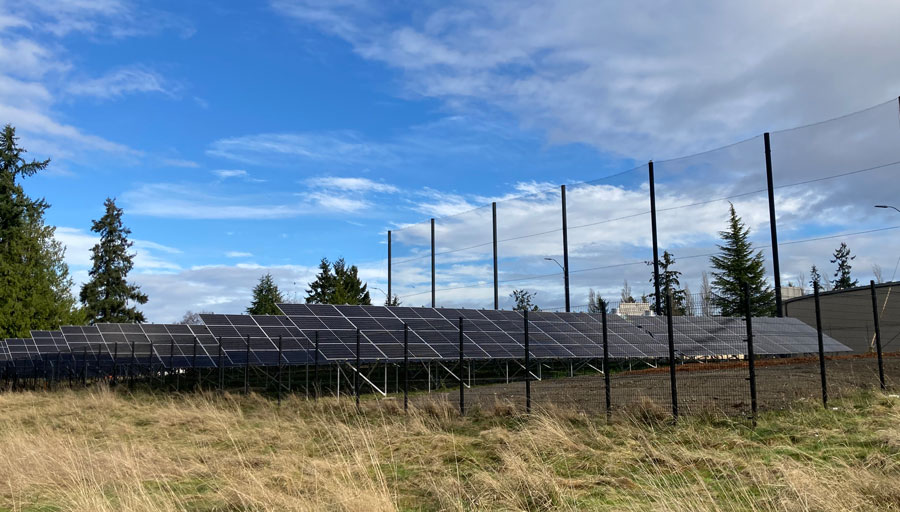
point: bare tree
(690, 306)
(191, 318)
(802, 284)
(705, 295)
(626, 293)
(879, 276)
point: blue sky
(245, 138)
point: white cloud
(178, 162)
(168, 200)
(344, 147)
(627, 77)
(119, 82)
(238, 254)
(351, 184)
(230, 173)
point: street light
(379, 289)
(554, 261)
(886, 206)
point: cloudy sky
(245, 138)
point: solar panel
(727, 336)
(488, 334)
(257, 336)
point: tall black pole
(877, 335)
(775, 266)
(821, 345)
(565, 233)
(655, 240)
(389, 268)
(496, 282)
(433, 300)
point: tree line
(736, 263)
(35, 285)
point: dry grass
(99, 450)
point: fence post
(432, 265)
(606, 364)
(405, 367)
(462, 387)
(356, 373)
(496, 282)
(775, 266)
(172, 358)
(150, 364)
(247, 369)
(527, 366)
(671, 332)
(194, 366)
(656, 291)
(279, 370)
(389, 267)
(131, 367)
(565, 235)
(750, 355)
(221, 366)
(821, 345)
(877, 335)
(115, 375)
(316, 369)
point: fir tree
(596, 304)
(815, 278)
(738, 264)
(35, 287)
(392, 301)
(266, 296)
(108, 296)
(337, 283)
(669, 282)
(524, 300)
(842, 279)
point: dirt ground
(720, 388)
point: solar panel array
(238, 340)
(705, 336)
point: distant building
(634, 309)
(847, 315)
(791, 292)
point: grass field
(101, 450)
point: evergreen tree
(392, 301)
(266, 296)
(842, 279)
(35, 287)
(524, 300)
(108, 296)
(596, 304)
(815, 277)
(738, 264)
(337, 283)
(669, 282)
